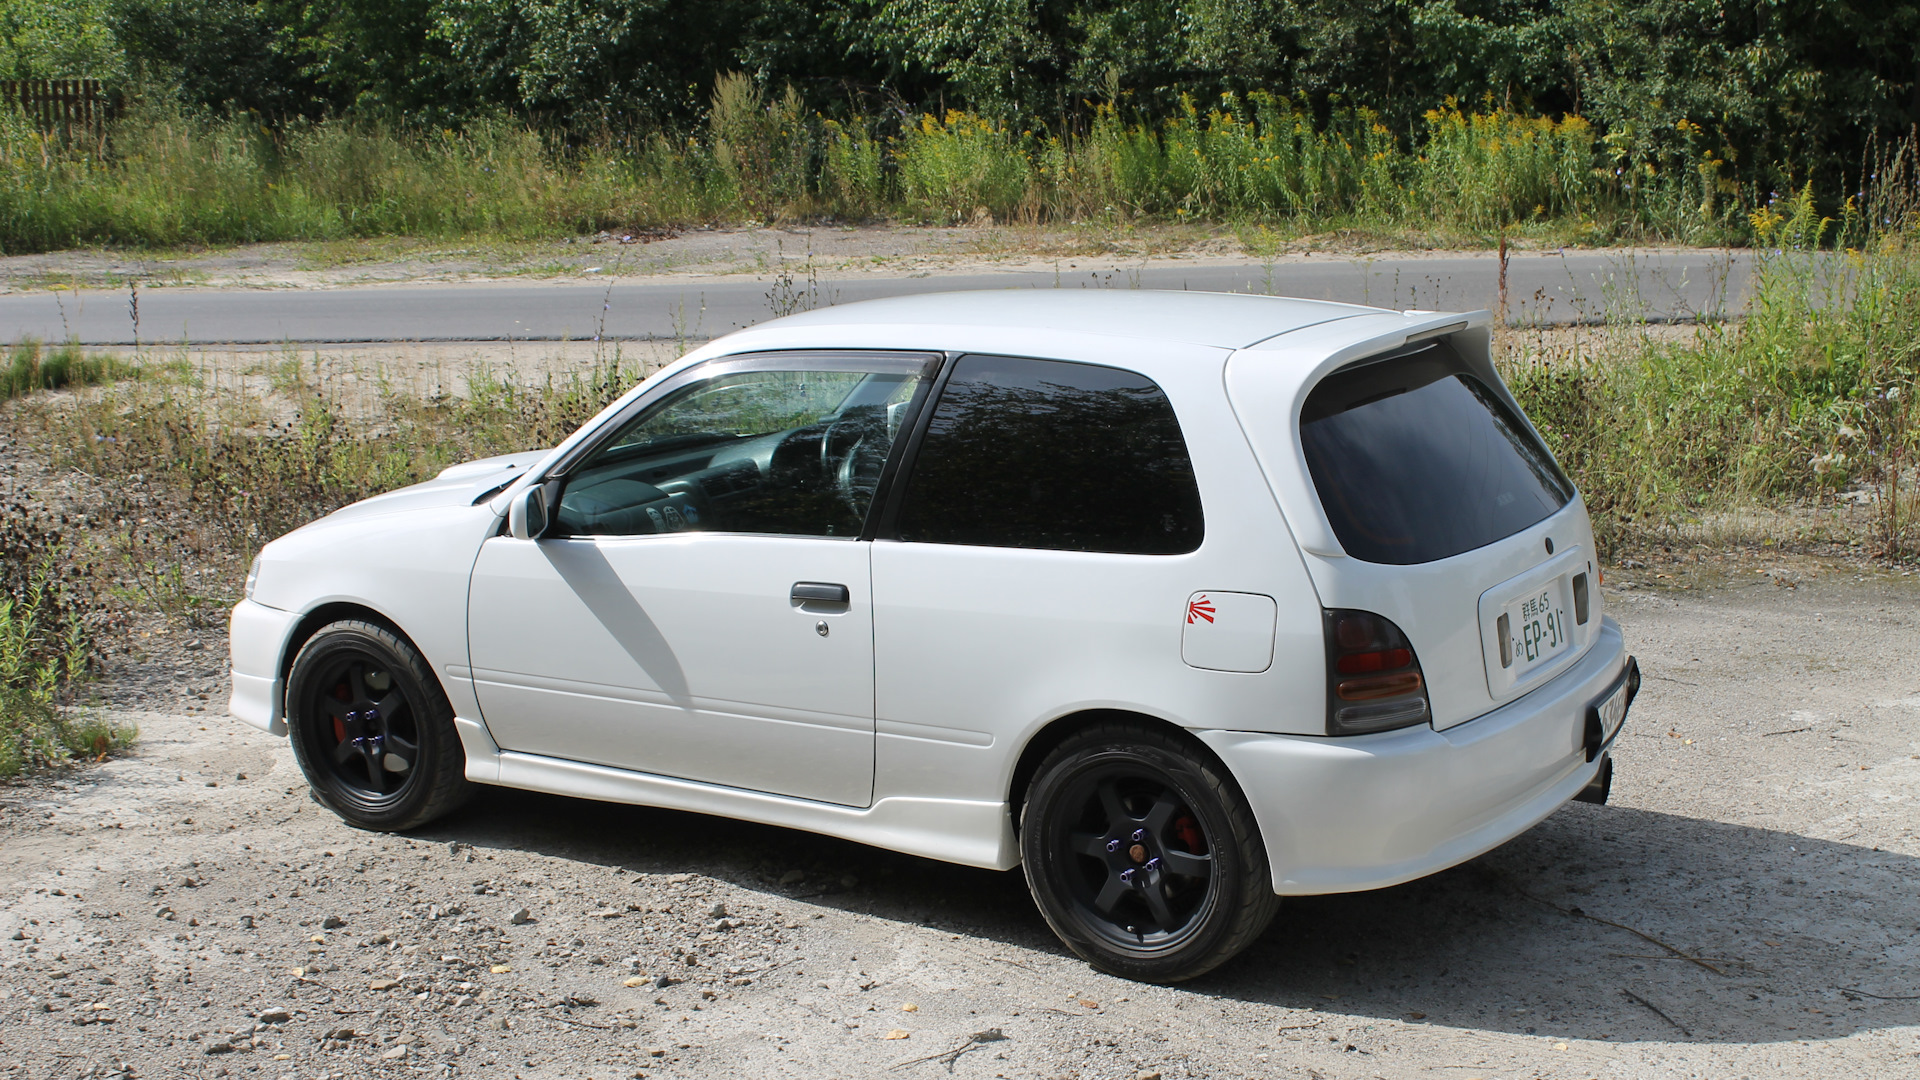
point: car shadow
(1603, 922)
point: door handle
(820, 592)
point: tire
(373, 730)
(1143, 855)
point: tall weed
(48, 619)
(961, 167)
(853, 176)
(760, 146)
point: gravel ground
(1746, 906)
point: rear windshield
(1415, 459)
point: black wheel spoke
(406, 748)
(1162, 813)
(1157, 906)
(1110, 894)
(376, 772)
(1116, 811)
(357, 684)
(344, 752)
(1186, 864)
(1089, 844)
(390, 706)
(335, 707)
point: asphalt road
(1552, 288)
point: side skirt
(951, 830)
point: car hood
(456, 485)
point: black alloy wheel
(1143, 856)
(372, 730)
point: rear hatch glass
(1416, 459)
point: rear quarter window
(1415, 459)
(1049, 454)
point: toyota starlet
(1181, 602)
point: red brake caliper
(340, 693)
(1188, 830)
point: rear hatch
(1446, 513)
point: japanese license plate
(1534, 630)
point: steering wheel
(853, 452)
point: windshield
(1416, 459)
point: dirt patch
(1744, 906)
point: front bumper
(1365, 812)
(257, 636)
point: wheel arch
(335, 611)
(1058, 730)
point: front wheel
(372, 729)
(1143, 855)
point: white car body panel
(681, 655)
(969, 652)
(1365, 812)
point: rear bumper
(256, 636)
(1342, 815)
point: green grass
(31, 366)
(166, 178)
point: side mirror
(527, 514)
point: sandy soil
(1746, 906)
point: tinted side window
(1046, 454)
(796, 452)
(1415, 459)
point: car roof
(1221, 320)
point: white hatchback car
(1183, 601)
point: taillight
(1373, 679)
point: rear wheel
(1143, 855)
(372, 729)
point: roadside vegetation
(170, 178)
(1439, 122)
(1806, 399)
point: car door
(700, 607)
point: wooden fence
(70, 107)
